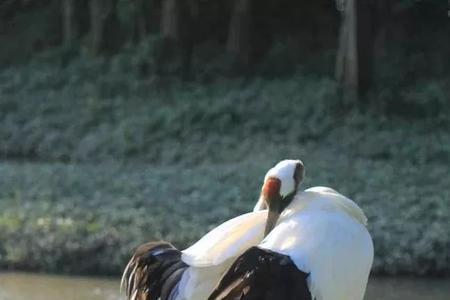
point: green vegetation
(86, 219)
(100, 158)
(103, 146)
(105, 109)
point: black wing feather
(261, 274)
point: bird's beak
(271, 195)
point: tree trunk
(8, 9)
(177, 24)
(104, 26)
(144, 13)
(141, 15)
(354, 61)
(382, 25)
(347, 55)
(70, 30)
(239, 33)
(170, 20)
(365, 41)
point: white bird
(158, 270)
(317, 247)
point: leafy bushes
(98, 109)
(151, 157)
(88, 218)
(93, 112)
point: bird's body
(306, 245)
(323, 234)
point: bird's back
(320, 243)
(327, 242)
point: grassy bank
(98, 158)
(86, 219)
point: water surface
(23, 286)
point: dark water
(20, 286)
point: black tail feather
(170, 283)
(153, 271)
(261, 274)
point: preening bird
(299, 245)
(317, 247)
(158, 270)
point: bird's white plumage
(260, 205)
(197, 283)
(321, 230)
(324, 234)
(228, 240)
(213, 254)
(331, 200)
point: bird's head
(279, 188)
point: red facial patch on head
(271, 188)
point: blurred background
(121, 118)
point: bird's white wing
(226, 241)
(336, 250)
